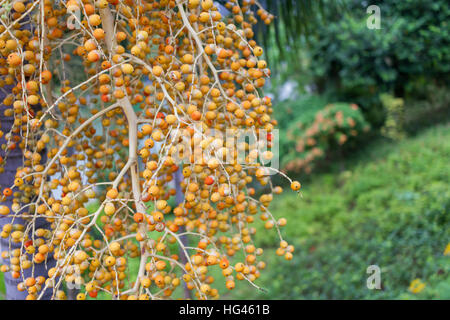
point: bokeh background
(364, 125)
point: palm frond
(295, 20)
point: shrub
(315, 138)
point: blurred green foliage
(395, 116)
(397, 75)
(357, 64)
(432, 107)
(390, 208)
